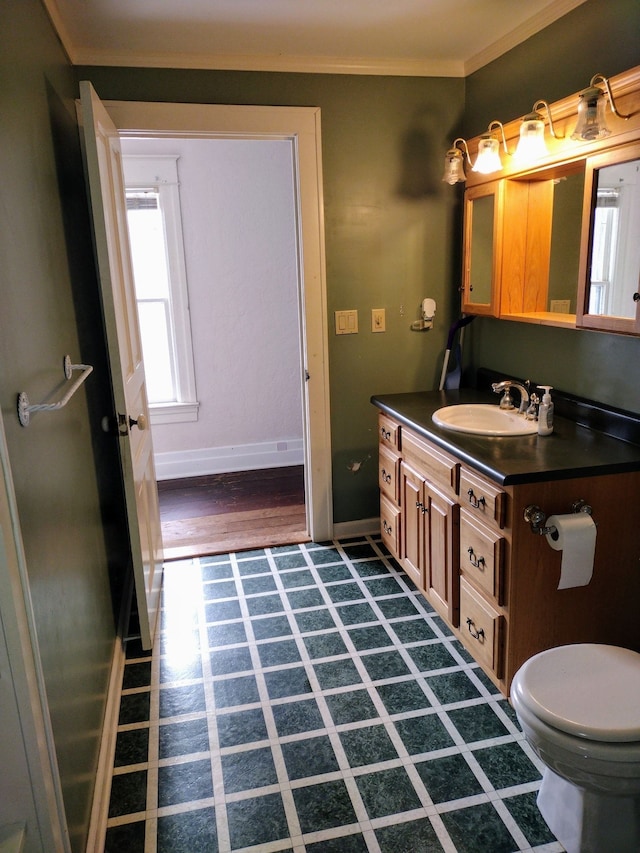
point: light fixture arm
(464, 148)
(535, 110)
(600, 78)
(496, 123)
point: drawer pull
(387, 528)
(386, 477)
(478, 503)
(423, 509)
(385, 433)
(477, 562)
(477, 635)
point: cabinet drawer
(388, 431)
(481, 628)
(388, 466)
(481, 555)
(482, 498)
(433, 464)
(390, 525)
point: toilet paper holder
(536, 517)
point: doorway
(300, 127)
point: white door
(103, 163)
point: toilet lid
(587, 690)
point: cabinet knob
(636, 296)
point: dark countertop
(572, 450)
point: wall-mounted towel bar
(25, 409)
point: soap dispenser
(545, 412)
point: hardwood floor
(232, 512)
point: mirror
(564, 260)
(614, 261)
(480, 217)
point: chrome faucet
(506, 402)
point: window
(159, 270)
(605, 228)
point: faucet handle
(506, 401)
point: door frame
(300, 125)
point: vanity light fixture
(531, 144)
(592, 122)
(488, 159)
(454, 163)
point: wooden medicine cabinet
(530, 253)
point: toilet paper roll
(576, 538)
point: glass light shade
(488, 159)
(453, 167)
(592, 123)
(531, 144)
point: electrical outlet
(378, 320)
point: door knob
(140, 422)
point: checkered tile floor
(307, 698)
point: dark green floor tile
(291, 580)
(228, 661)
(132, 747)
(229, 634)
(321, 556)
(183, 783)
(393, 608)
(341, 592)
(426, 733)
(257, 584)
(271, 626)
(506, 765)
(229, 692)
(309, 757)
(370, 637)
(359, 551)
(293, 718)
(378, 587)
(368, 745)
(478, 829)
(387, 792)
(525, 811)
(128, 793)
(180, 669)
(256, 821)
(466, 655)
(294, 560)
(187, 832)
(345, 844)
(215, 571)
(247, 770)
(175, 701)
(452, 687)
(314, 620)
(278, 653)
(183, 738)
(301, 598)
(486, 681)
(133, 649)
(134, 708)
(403, 696)
(336, 674)
(221, 611)
(413, 630)
(325, 645)
(219, 590)
(136, 675)
(384, 665)
(356, 614)
(259, 566)
(351, 707)
(448, 778)
(371, 568)
(431, 657)
(129, 837)
(238, 727)
(264, 604)
(324, 806)
(287, 682)
(505, 705)
(339, 572)
(414, 836)
(439, 621)
(477, 722)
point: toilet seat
(587, 690)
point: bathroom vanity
(452, 510)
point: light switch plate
(378, 320)
(347, 322)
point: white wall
(238, 210)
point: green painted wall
(600, 36)
(391, 224)
(70, 507)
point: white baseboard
(175, 464)
(360, 527)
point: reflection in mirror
(564, 261)
(615, 247)
(481, 263)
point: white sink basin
(483, 419)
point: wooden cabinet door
(442, 554)
(412, 487)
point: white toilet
(579, 708)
